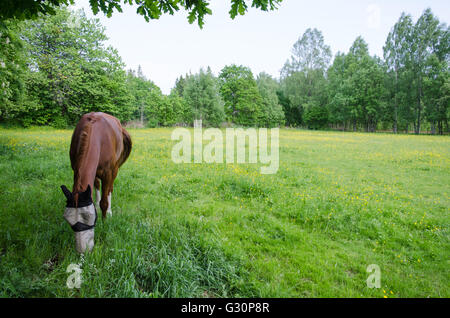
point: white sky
(170, 47)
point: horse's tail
(127, 145)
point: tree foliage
(140, 89)
(203, 100)
(12, 70)
(243, 103)
(149, 9)
(272, 111)
(71, 72)
(55, 68)
(417, 57)
(309, 53)
(303, 77)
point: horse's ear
(66, 192)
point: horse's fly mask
(82, 218)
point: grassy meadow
(338, 203)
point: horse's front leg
(97, 192)
(105, 202)
(107, 189)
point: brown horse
(100, 145)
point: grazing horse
(100, 145)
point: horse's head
(81, 215)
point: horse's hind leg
(109, 211)
(111, 188)
(97, 192)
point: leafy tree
(140, 89)
(396, 55)
(163, 110)
(202, 97)
(356, 88)
(417, 59)
(291, 113)
(364, 86)
(26, 9)
(309, 53)
(304, 89)
(303, 78)
(435, 77)
(180, 83)
(424, 40)
(435, 95)
(160, 109)
(70, 70)
(272, 111)
(444, 100)
(243, 103)
(182, 111)
(316, 117)
(12, 70)
(338, 91)
(149, 9)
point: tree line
(55, 68)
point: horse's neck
(86, 169)
(83, 178)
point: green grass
(339, 202)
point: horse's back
(102, 130)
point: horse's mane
(83, 143)
(84, 137)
